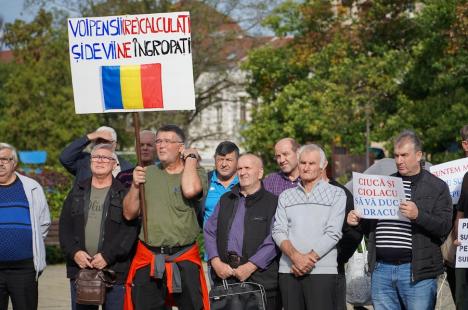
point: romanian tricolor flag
(132, 86)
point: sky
(13, 9)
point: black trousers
(340, 291)
(308, 292)
(18, 282)
(451, 281)
(149, 293)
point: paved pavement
(54, 291)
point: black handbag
(91, 285)
(238, 296)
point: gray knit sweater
(311, 221)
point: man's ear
(325, 165)
(181, 148)
(419, 155)
(260, 174)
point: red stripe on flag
(151, 86)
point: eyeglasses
(104, 159)
(5, 160)
(166, 141)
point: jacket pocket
(77, 206)
(116, 214)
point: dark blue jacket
(77, 162)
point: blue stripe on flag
(111, 86)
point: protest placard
(377, 196)
(131, 63)
(462, 250)
(452, 173)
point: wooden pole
(136, 125)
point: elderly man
(24, 222)
(76, 160)
(93, 232)
(167, 266)
(404, 256)
(307, 227)
(288, 176)
(238, 234)
(147, 153)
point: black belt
(395, 261)
(234, 260)
(167, 250)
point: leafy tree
(379, 66)
(39, 111)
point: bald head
(256, 160)
(250, 173)
(290, 142)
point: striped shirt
(393, 237)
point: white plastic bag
(358, 279)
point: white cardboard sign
(377, 196)
(145, 60)
(462, 250)
(452, 173)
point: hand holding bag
(91, 285)
(358, 279)
(238, 296)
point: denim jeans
(393, 289)
(114, 298)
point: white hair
(313, 148)
(10, 147)
(105, 146)
(109, 129)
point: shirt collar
(285, 177)
(214, 178)
(317, 185)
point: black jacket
(259, 214)
(351, 238)
(118, 236)
(434, 222)
(77, 162)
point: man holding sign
(404, 256)
(461, 297)
(167, 266)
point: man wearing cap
(77, 161)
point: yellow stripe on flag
(130, 84)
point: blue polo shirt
(215, 191)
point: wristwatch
(191, 155)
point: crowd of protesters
(291, 232)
